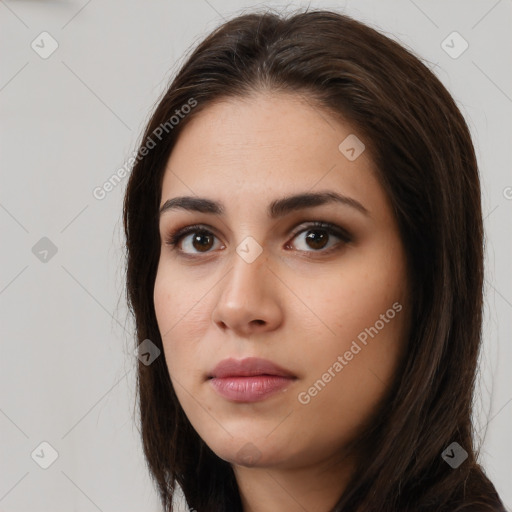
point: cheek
(353, 298)
(174, 299)
(171, 306)
(183, 316)
(166, 305)
(351, 372)
(363, 312)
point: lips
(249, 380)
(248, 367)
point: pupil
(318, 241)
(201, 245)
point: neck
(312, 489)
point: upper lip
(248, 367)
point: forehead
(264, 124)
(264, 146)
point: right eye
(200, 241)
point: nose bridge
(246, 279)
(246, 299)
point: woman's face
(255, 279)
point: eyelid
(333, 229)
(328, 226)
(175, 236)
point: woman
(304, 246)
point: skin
(296, 304)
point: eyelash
(332, 229)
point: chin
(249, 450)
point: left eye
(316, 239)
(318, 235)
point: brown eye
(193, 240)
(318, 237)
(202, 241)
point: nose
(249, 298)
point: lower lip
(249, 389)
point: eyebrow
(276, 209)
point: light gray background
(68, 123)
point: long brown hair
(422, 148)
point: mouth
(249, 380)
(248, 367)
